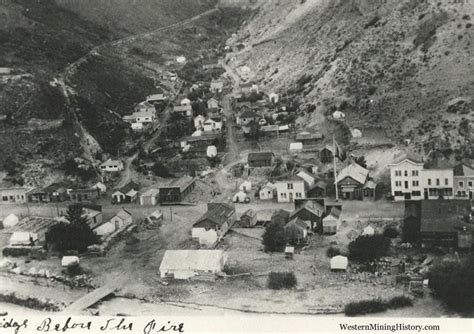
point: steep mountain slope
(393, 67)
(135, 16)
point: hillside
(397, 69)
(135, 16)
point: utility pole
(335, 166)
(171, 213)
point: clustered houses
(14, 195)
(411, 179)
(110, 166)
(144, 115)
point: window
(414, 173)
(437, 182)
(416, 193)
(446, 182)
(398, 183)
(4, 198)
(290, 185)
(461, 184)
(470, 183)
(429, 182)
(406, 173)
(416, 183)
(398, 193)
(398, 173)
(406, 184)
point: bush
(365, 307)
(333, 251)
(399, 302)
(278, 281)
(390, 232)
(452, 283)
(368, 247)
(74, 270)
(274, 238)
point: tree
(361, 161)
(278, 281)
(254, 132)
(452, 283)
(74, 235)
(368, 247)
(274, 238)
(159, 169)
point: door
(291, 197)
(407, 196)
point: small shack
(339, 263)
(332, 221)
(10, 221)
(68, 261)
(246, 186)
(24, 239)
(368, 230)
(240, 197)
(289, 252)
(248, 218)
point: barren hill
(397, 69)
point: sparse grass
(278, 281)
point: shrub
(452, 283)
(399, 302)
(365, 307)
(333, 251)
(278, 281)
(390, 232)
(74, 270)
(368, 247)
(274, 238)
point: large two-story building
(463, 181)
(291, 189)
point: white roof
(338, 114)
(202, 259)
(240, 195)
(296, 146)
(369, 230)
(269, 186)
(155, 97)
(137, 126)
(181, 59)
(185, 101)
(68, 260)
(10, 221)
(105, 229)
(246, 184)
(151, 192)
(306, 176)
(354, 171)
(339, 262)
(22, 238)
(283, 128)
(356, 133)
(211, 151)
(111, 162)
(132, 193)
(289, 249)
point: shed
(296, 147)
(101, 186)
(23, 239)
(211, 151)
(332, 221)
(185, 264)
(339, 263)
(67, 261)
(10, 221)
(248, 218)
(150, 197)
(338, 114)
(289, 252)
(185, 102)
(356, 133)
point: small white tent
(181, 59)
(369, 230)
(185, 102)
(339, 263)
(273, 97)
(246, 186)
(296, 147)
(356, 133)
(10, 221)
(69, 261)
(211, 151)
(338, 114)
(239, 197)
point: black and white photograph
(236, 159)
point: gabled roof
(335, 212)
(311, 206)
(123, 214)
(307, 136)
(128, 187)
(409, 157)
(198, 260)
(182, 108)
(328, 147)
(370, 184)
(56, 186)
(249, 213)
(295, 224)
(269, 186)
(151, 192)
(217, 214)
(463, 170)
(111, 163)
(260, 156)
(354, 171)
(444, 215)
(319, 184)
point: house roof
(250, 213)
(181, 183)
(296, 224)
(328, 147)
(339, 262)
(269, 128)
(269, 186)
(319, 184)
(408, 156)
(307, 136)
(128, 187)
(199, 260)
(123, 214)
(56, 186)
(463, 170)
(249, 114)
(217, 213)
(354, 171)
(370, 184)
(335, 212)
(313, 207)
(306, 176)
(151, 192)
(443, 215)
(111, 163)
(182, 108)
(260, 156)
(156, 97)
